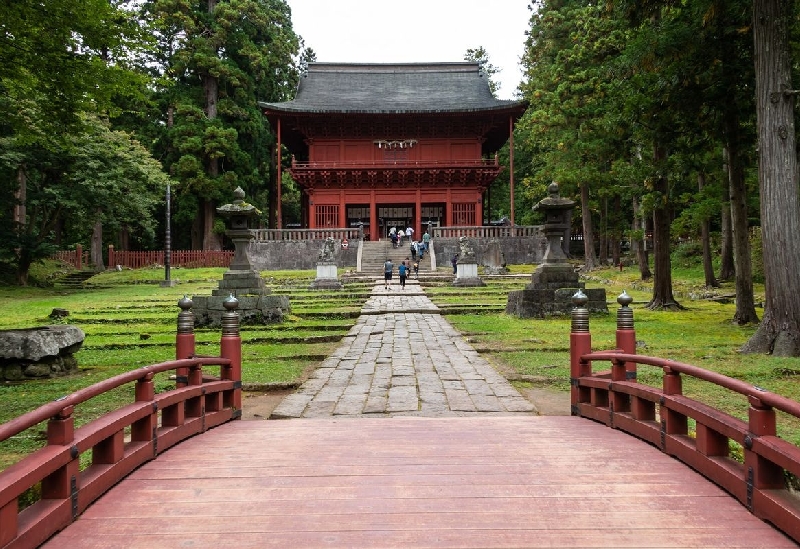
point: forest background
(669, 121)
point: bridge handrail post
(184, 340)
(762, 474)
(231, 348)
(672, 422)
(61, 432)
(143, 430)
(626, 334)
(580, 343)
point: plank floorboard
(498, 481)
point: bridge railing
(121, 440)
(662, 416)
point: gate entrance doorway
(397, 217)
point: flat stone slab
(34, 344)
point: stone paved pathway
(403, 358)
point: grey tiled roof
(392, 88)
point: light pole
(167, 244)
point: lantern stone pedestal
(256, 304)
(555, 281)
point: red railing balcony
(470, 172)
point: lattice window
(327, 216)
(464, 214)
(395, 155)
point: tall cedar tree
(779, 331)
(220, 58)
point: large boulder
(39, 352)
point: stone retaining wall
(302, 254)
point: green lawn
(130, 322)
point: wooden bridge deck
(480, 481)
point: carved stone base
(256, 305)
(545, 302)
(467, 275)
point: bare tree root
(661, 305)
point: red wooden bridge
(478, 481)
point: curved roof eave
(286, 108)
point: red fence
(177, 258)
(661, 416)
(77, 257)
(140, 259)
(121, 440)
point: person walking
(400, 234)
(414, 250)
(387, 273)
(402, 270)
(454, 261)
(416, 271)
(426, 240)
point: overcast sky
(416, 31)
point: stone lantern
(256, 305)
(237, 214)
(555, 281)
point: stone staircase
(374, 254)
(74, 280)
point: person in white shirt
(400, 234)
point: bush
(688, 254)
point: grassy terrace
(130, 322)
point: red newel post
(626, 335)
(580, 343)
(184, 340)
(231, 348)
(672, 422)
(63, 482)
(762, 473)
(144, 430)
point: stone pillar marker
(467, 265)
(256, 305)
(327, 274)
(494, 262)
(555, 280)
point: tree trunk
(24, 261)
(20, 208)
(745, 301)
(615, 232)
(779, 331)
(705, 238)
(21, 219)
(197, 228)
(603, 256)
(727, 269)
(641, 245)
(590, 258)
(96, 249)
(662, 280)
(211, 240)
